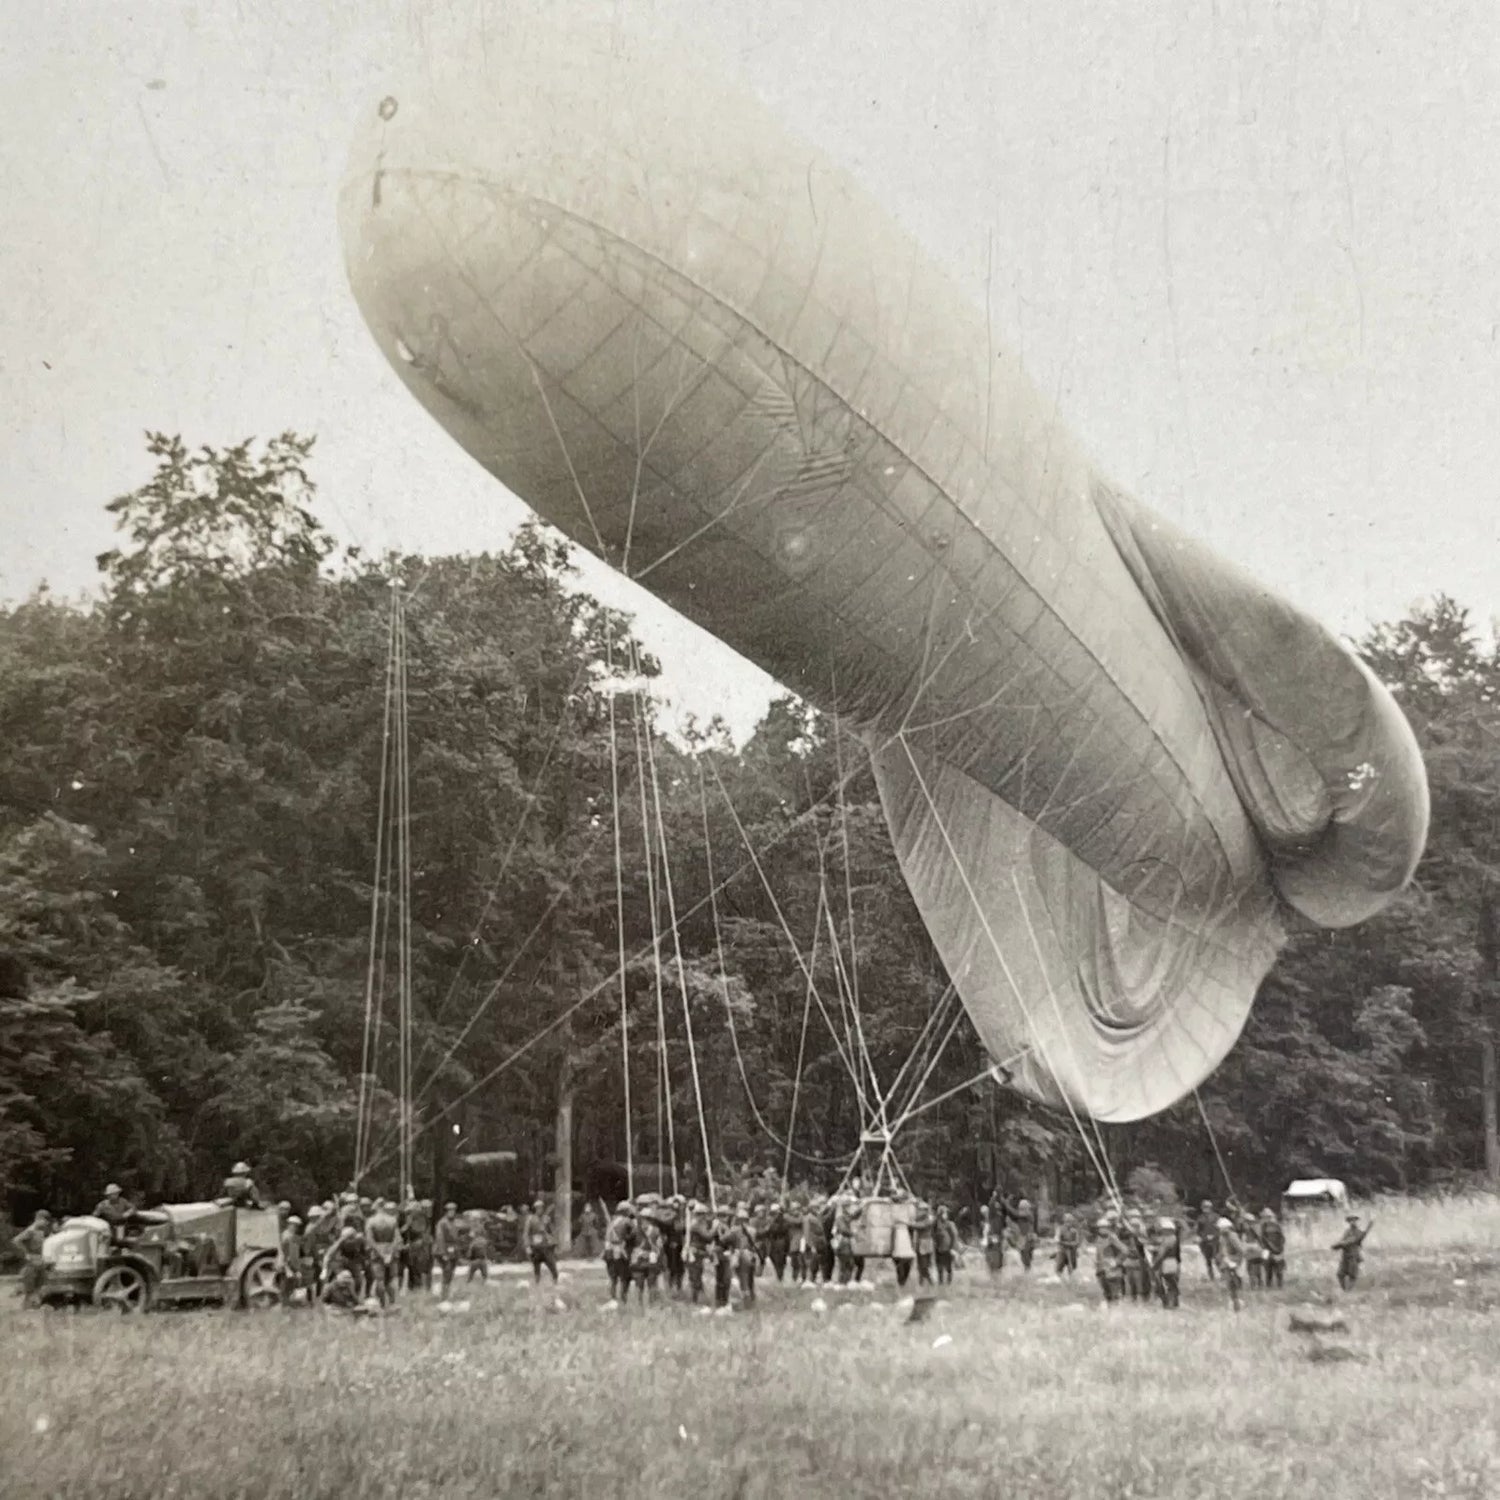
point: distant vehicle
(1314, 1192)
(174, 1255)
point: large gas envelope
(1117, 771)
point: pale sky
(1252, 248)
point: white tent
(1315, 1192)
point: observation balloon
(1117, 771)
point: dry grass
(1040, 1392)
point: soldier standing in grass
(922, 1240)
(817, 1258)
(844, 1215)
(1351, 1251)
(1208, 1237)
(778, 1240)
(416, 1245)
(697, 1247)
(1166, 1262)
(1109, 1260)
(720, 1239)
(944, 1244)
(619, 1238)
(541, 1241)
(746, 1253)
(290, 1278)
(478, 1254)
(447, 1245)
(29, 1242)
(1255, 1253)
(1231, 1260)
(1069, 1238)
(1273, 1237)
(383, 1235)
(1132, 1237)
(645, 1257)
(317, 1241)
(992, 1239)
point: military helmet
(293, 1219)
(284, 1207)
(1224, 1224)
(112, 1191)
(1266, 1213)
(240, 1168)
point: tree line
(189, 781)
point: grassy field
(1025, 1388)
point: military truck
(175, 1255)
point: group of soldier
(356, 1251)
(697, 1247)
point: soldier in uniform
(383, 1236)
(619, 1239)
(778, 1239)
(289, 1278)
(1069, 1238)
(415, 1224)
(746, 1253)
(478, 1253)
(1248, 1229)
(541, 1241)
(673, 1225)
(646, 1253)
(1208, 1237)
(992, 1238)
(1231, 1259)
(721, 1255)
(342, 1295)
(447, 1245)
(29, 1243)
(1109, 1259)
(239, 1188)
(697, 1249)
(944, 1245)
(1351, 1251)
(816, 1257)
(1132, 1237)
(923, 1240)
(349, 1253)
(321, 1230)
(845, 1213)
(1166, 1261)
(1273, 1237)
(114, 1208)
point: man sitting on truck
(114, 1208)
(239, 1190)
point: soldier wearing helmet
(1231, 1259)
(239, 1188)
(1273, 1237)
(1208, 1237)
(114, 1208)
(447, 1245)
(540, 1240)
(619, 1238)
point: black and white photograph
(749, 750)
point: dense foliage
(189, 779)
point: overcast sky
(1252, 248)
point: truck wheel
(258, 1286)
(122, 1289)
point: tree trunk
(1487, 1088)
(1489, 962)
(563, 1179)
